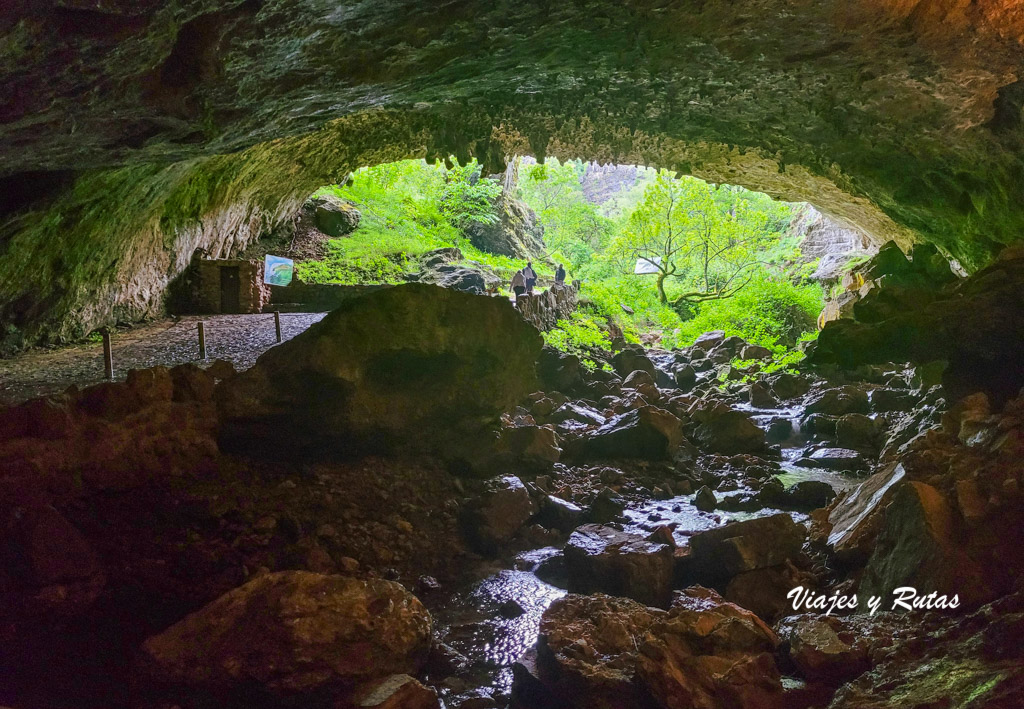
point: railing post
(277, 324)
(108, 355)
(202, 340)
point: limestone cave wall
(136, 132)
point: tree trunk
(662, 298)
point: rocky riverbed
(399, 509)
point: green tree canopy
(711, 243)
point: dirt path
(239, 339)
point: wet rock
(764, 591)
(856, 431)
(855, 520)
(398, 691)
(684, 376)
(511, 609)
(761, 397)
(824, 648)
(602, 559)
(919, 546)
(648, 433)
(530, 445)
(705, 499)
(976, 661)
(722, 429)
(974, 325)
(839, 459)
(643, 383)
(779, 430)
(559, 371)
(627, 361)
(607, 505)
(414, 363)
(559, 514)
(820, 425)
(743, 546)
(809, 494)
(315, 632)
(587, 650)
(706, 652)
(838, 401)
(788, 386)
(491, 519)
(889, 400)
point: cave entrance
(662, 257)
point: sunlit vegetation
(719, 257)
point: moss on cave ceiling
(139, 131)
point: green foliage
(770, 312)
(727, 250)
(712, 240)
(408, 208)
(467, 198)
(579, 335)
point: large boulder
(838, 401)
(333, 216)
(648, 432)
(492, 518)
(587, 651)
(516, 232)
(706, 653)
(920, 546)
(415, 363)
(603, 559)
(632, 359)
(976, 325)
(722, 429)
(293, 632)
(825, 648)
(737, 547)
(856, 518)
(442, 267)
(610, 653)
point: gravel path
(239, 339)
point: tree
(551, 184)
(710, 245)
(655, 232)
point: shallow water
(472, 624)
(470, 621)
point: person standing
(518, 284)
(531, 277)
(560, 275)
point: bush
(580, 336)
(770, 312)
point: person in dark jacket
(560, 275)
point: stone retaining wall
(544, 310)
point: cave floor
(239, 339)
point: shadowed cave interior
(422, 491)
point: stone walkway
(239, 339)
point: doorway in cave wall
(229, 281)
